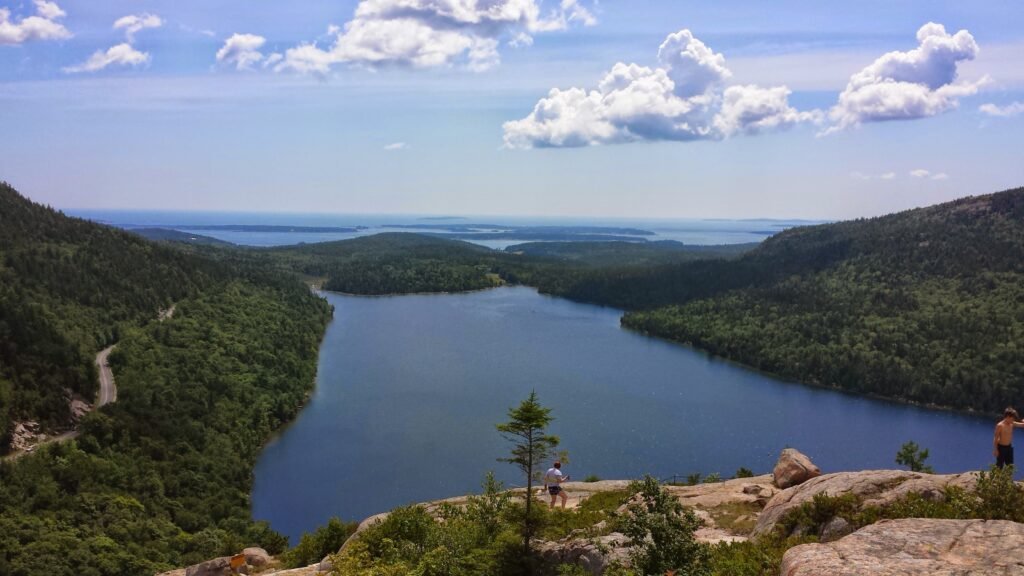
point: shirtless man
(1002, 444)
(553, 479)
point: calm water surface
(410, 388)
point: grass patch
(736, 517)
(559, 523)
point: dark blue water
(410, 388)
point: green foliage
(600, 507)
(68, 288)
(531, 446)
(592, 478)
(913, 457)
(160, 478)
(712, 478)
(999, 497)
(313, 547)
(661, 532)
(925, 305)
(810, 517)
(760, 557)
(744, 473)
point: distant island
(169, 235)
(525, 230)
(262, 228)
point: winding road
(108, 391)
(107, 394)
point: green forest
(160, 478)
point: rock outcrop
(912, 547)
(793, 468)
(873, 487)
(592, 554)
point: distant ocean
(691, 231)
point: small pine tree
(912, 456)
(531, 445)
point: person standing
(1002, 444)
(553, 479)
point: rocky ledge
(916, 547)
(877, 488)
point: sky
(633, 109)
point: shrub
(999, 497)
(312, 547)
(760, 557)
(661, 530)
(744, 473)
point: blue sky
(725, 109)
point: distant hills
(925, 305)
(68, 287)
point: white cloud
(120, 55)
(856, 175)
(135, 23)
(42, 26)
(272, 59)
(432, 33)
(242, 50)
(928, 174)
(395, 146)
(905, 85)
(752, 109)
(49, 10)
(692, 66)
(680, 100)
(1011, 109)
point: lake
(410, 388)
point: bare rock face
(216, 567)
(593, 555)
(793, 468)
(874, 487)
(914, 547)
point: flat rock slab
(915, 547)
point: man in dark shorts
(553, 479)
(1002, 444)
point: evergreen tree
(531, 446)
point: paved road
(108, 391)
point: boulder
(915, 546)
(594, 555)
(256, 557)
(793, 468)
(835, 529)
(877, 488)
(216, 567)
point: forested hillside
(160, 478)
(394, 263)
(68, 288)
(926, 305)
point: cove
(409, 390)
